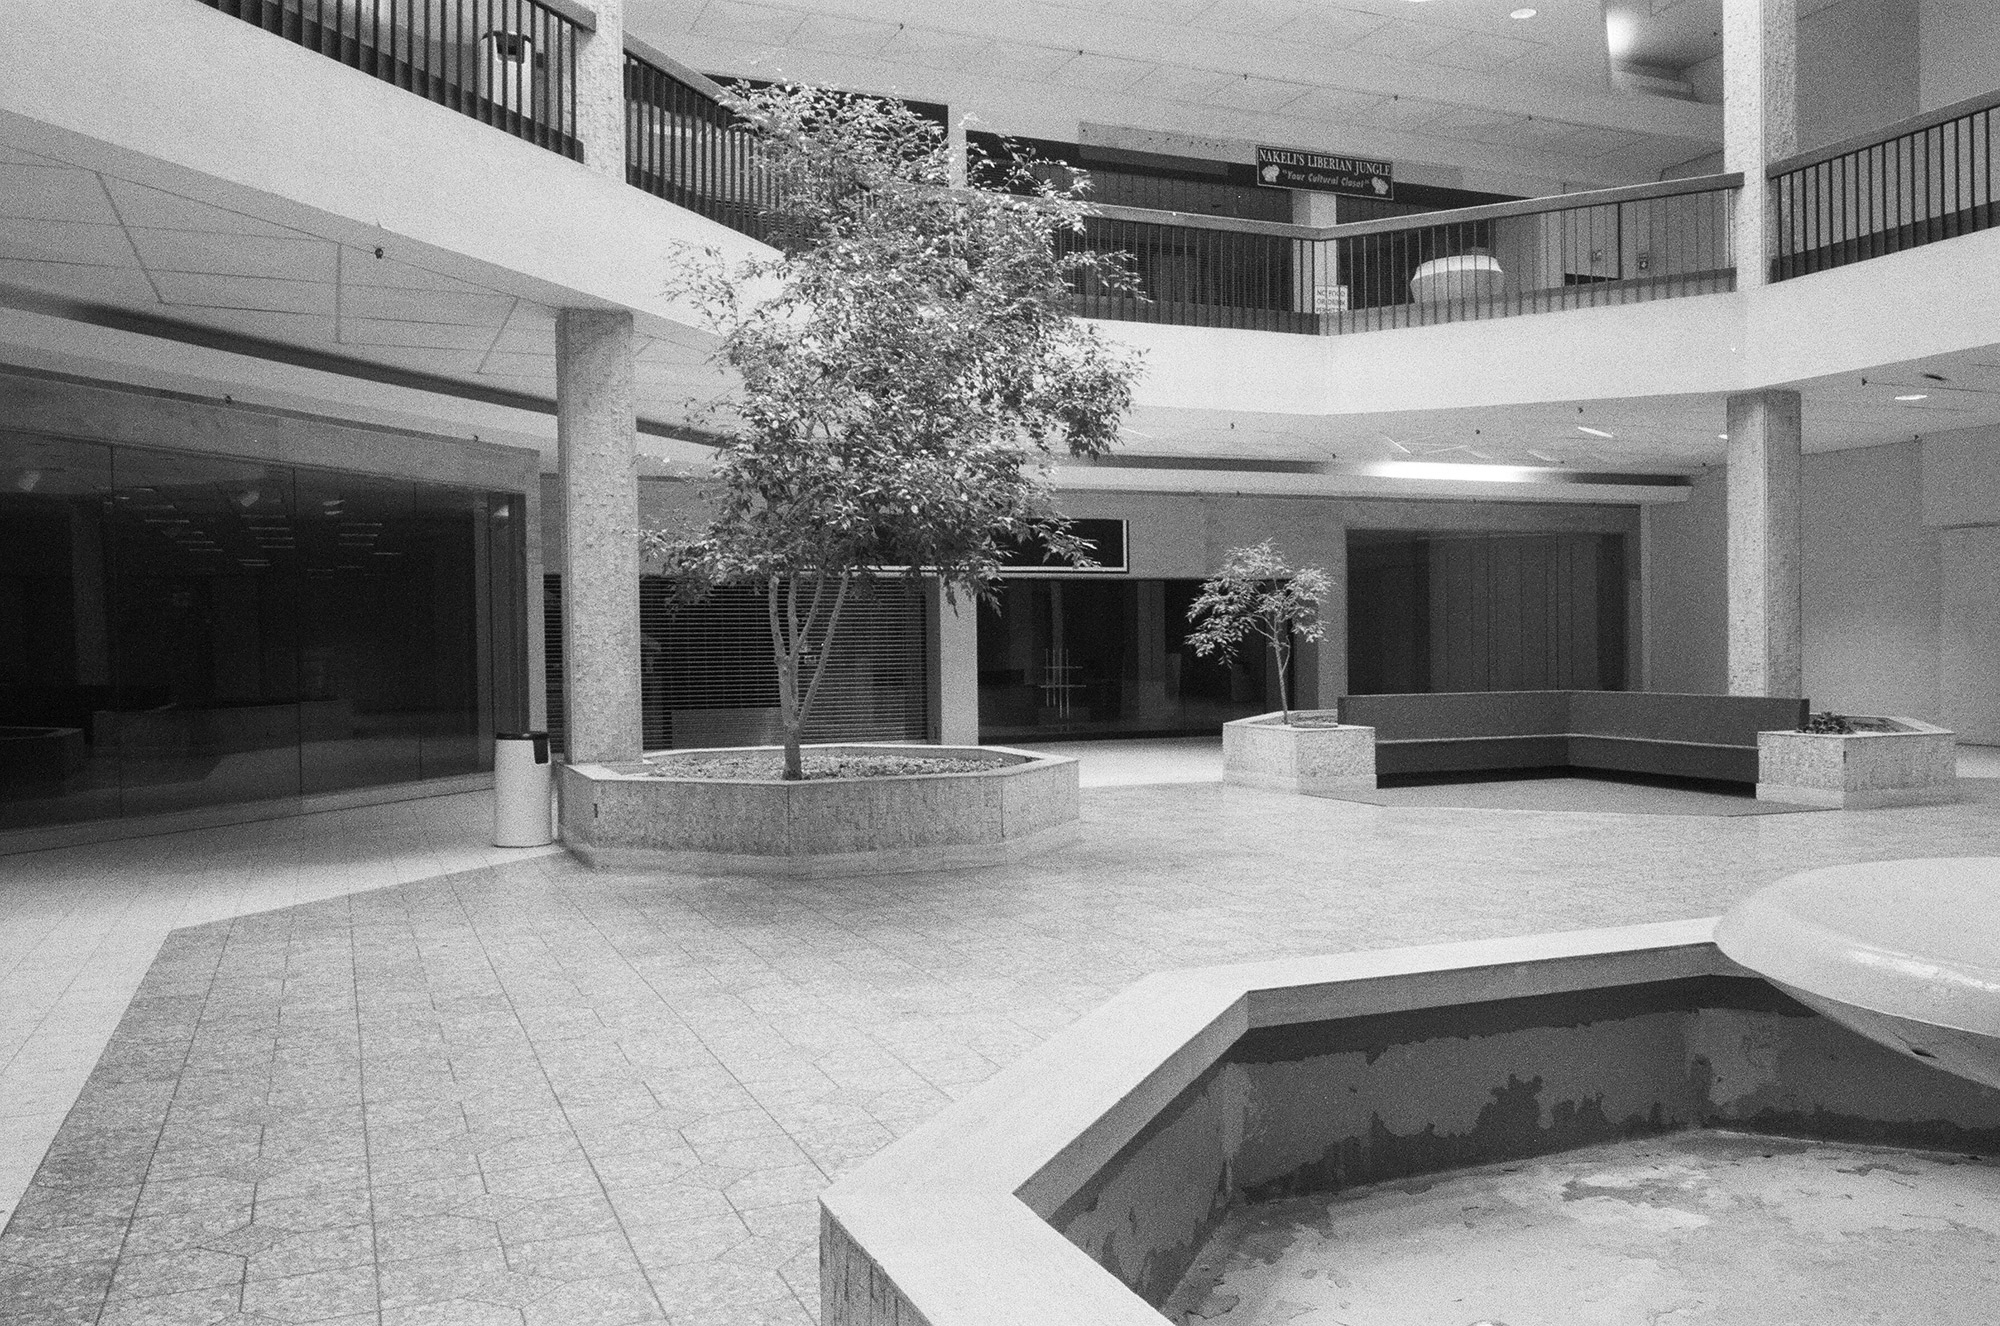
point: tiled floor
(530, 1093)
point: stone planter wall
(1265, 752)
(621, 817)
(1907, 764)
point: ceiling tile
(937, 50)
(1479, 50)
(157, 209)
(1468, 123)
(22, 157)
(525, 341)
(448, 363)
(1531, 133)
(202, 290)
(66, 241)
(1400, 39)
(1153, 11)
(360, 267)
(1257, 18)
(1013, 61)
(421, 335)
(112, 285)
(732, 21)
(843, 36)
(535, 368)
(52, 193)
(240, 255)
(1257, 94)
(1106, 72)
(1177, 82)
(311, 329)
(1597, 142)
(1406, 113)
(1334, 103)
(425, 306)
(1338, 28)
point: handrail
(666, 64)
(1915, 124)
(1560, 202)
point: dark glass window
(181, 630)
(1082, 657)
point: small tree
(1256, 593)
(908, 361)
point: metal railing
(684, 145)
(508, 63)
(1915, 183)
(1537, 255)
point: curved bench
(1684, 736)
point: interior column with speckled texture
(596, 434)
(1766, 611)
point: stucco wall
(1960, 50)
(1686, 592)
(1871, 587)
(1858, 69)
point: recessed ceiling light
(1920, 396)
(1594, 432)
(1722, 437)
(1522, 13)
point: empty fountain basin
(1905, 952)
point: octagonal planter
(1889, 762)
(622, 816)
(1267, 752)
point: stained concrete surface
(1715, 1228)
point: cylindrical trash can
(523, 815)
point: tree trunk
(794, 766)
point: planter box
(622, 817)
(1265, 752)
(1892, 762)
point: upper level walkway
(405, 195)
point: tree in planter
(1257, 594)
(908, 364)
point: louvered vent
(707, 678)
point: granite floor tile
(535, 1093)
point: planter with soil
(1314, 754)
(1858, 763)
(861, 809)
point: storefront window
(180, 631)
(1082, 657)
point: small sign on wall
(1357, 177)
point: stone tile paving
(533, 1094)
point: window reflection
(180, 631)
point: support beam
(1765, 611)
(1760, 119)
(600, 90)
(596, 437)
(955, 671)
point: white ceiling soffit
(1417, 82)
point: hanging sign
(1357, 177)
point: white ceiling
(1452, 83)
(89, 237)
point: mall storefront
(181, 630)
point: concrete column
(1764, 587)
(600, 90)
(1760, 119)
(955, 676)
(1318, 264)
(596, 437)
(1330, 654)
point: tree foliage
(909, 365)
(1255, 593)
